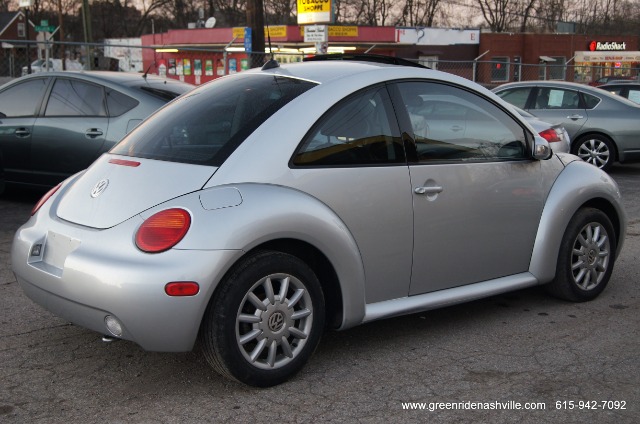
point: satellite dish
(210, 23)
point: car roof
(322, 72)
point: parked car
(603, 127)
(555, 134)
(627, 89)
(608, 79)
(55, 124)
(262, 207)
(42, 65)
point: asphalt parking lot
(573, 363)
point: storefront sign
(437, 36)
(275, 31)
(582, 57)
(316, 34)
(338, 31)
(314, 12)
(607, 46)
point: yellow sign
(339, 31)
(343, 31)
(314, 11)
(274, 31)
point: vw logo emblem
(276, 322)
(99, 188)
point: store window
(557, 70)
(499, 69)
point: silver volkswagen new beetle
(260, 209)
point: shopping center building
(201, 54)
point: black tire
(586, 257)
(250, 333)
(595, 149)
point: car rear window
(207, 124)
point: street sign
(247, 39)
(45, 28)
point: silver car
(603, 127)
(266, 206)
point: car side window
(557, 98)
(634, 95)
(118, 103)
(516, 96)
(22, 99)
(452, 124)
(75, 98)
(360, 130)
(590, 101)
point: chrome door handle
(456, 128)
(22, 132)
(427, 190)
(574, 117)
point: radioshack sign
(607, 46)
(315, 12)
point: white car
(41, 65)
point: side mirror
(541, 149)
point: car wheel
(265, 320)
(597, 150)
(586, 257)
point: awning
(547, 59)
(608, 56)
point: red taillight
(182, 288)
(163, 230)
(44, 199)
(124, 162)
(550, 135)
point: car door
(70, 132)
(19, 105)
(559, 105)
(477, 199)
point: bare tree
(419, 12)
(499, 14)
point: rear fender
(241, 217)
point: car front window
(451, 124)
(208, 124)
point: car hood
(115, 188)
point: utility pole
(255, 21)
(61, 31)
(86, 25)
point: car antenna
(147, 71)
(271, 63)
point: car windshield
(206, 125)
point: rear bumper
(83, 275)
